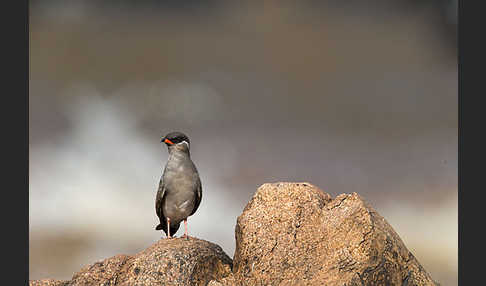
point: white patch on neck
(184, 142)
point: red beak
(168, 141)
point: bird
(180, 191)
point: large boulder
(167, 262)
(296, 234)
(288, 234)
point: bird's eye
(177, 140)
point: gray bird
(180, 190)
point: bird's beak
(165, 140)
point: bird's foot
(186, 237)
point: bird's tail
(163, 226)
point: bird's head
(176, 140)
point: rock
(288, 234)
(104, 272)
(167, 262)
(296, 234)
(48, 282)
(226, 281)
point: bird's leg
(186, 236)
(168, 228)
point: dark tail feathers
(163, 226)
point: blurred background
(350, 96)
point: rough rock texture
(288, 234)
(48, 282)
(295, 234)
(167, 262)
(226, 281)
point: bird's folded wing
(198, 196)
(158, 199)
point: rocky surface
(296, 234)
(48, 282)
(167, 262)
(288, 234)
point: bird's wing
(158, 201)
(198, 196)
